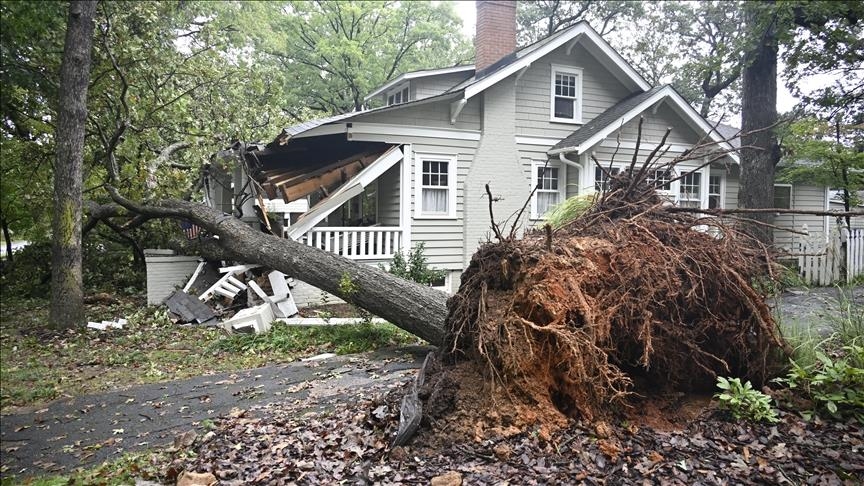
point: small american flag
(191, 230)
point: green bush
(415, 268)
(834, 383)
(743, 401)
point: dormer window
(566, 91)
(398, 95)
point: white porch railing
(357, 242)
(825, 264)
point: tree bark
(420, 310)
(760, 152)
(67, 295)
(8, 239)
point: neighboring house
(413, 169)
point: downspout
(572, 163)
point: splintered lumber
(294, 184)
(291, 191)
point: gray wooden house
(413, 166)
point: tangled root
(627, 298)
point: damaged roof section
(306, 166)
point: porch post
(405, 196)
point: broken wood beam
(332, 179)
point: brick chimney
(495, 35)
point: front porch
(357, 242)
(354, 207)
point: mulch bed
(351, 444)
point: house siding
(600, 90)
(435, 85)
(654, 127)
(429, 115)
(388, 196)
(804, 197)
(498, 164)
(443, 238)
(808, 198)
(165, 273)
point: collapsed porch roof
(353, 187)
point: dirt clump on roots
(628, 299)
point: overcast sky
(467, 10)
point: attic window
(566, 94)
(398, 95)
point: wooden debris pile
(248, 297)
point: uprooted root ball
(634, 301)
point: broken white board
(256, 319)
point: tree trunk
(8, 239)
(420, 310)
(67, 296)
(759, 153)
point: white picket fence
(841, 259)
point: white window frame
(673, 173)
(398, 89)
(703, 201)
(791, 195)
(452, 175)
(615, 169)
(722, 193)
(562, 184)
(577, 110)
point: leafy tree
(827, 154)
(337, 52)
(67, 295)
(696, 46)
(824, 42)
(542, 18)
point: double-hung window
(549, 181)
(566, 94)
(661, 179)
(398, 95)
(601, 180)
(436, 183)
(690, 190)
(715, 192)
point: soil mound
(627, 299)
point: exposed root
(628, 298)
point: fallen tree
(415, 308)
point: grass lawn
(38, 365)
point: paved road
(93, 428)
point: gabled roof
(626, 110)
(580, 32)
(605, 120)
(512, 63)
(419, 74)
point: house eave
(678, 103)
(417, 75)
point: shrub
(834, 384)
(743, 401)
(415, 268)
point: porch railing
(357, 242)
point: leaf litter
(349, 441)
